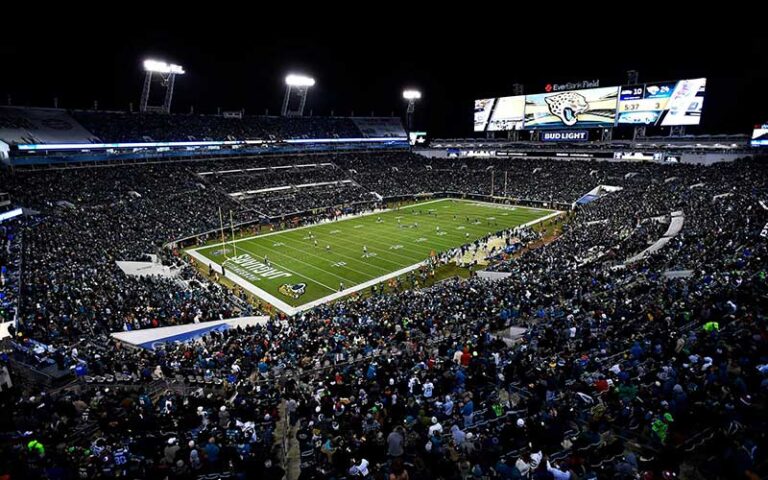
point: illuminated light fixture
(411, 94)
(162, 67)
(166, 74)
(296, 85)
(295, 80)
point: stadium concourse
(630, 363)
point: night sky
(238, 62)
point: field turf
(308, 265)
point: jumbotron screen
(483, 109)
(663, 104)
(417, 138)
(760, 136)
(589, 108)
(499, 114)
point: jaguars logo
(293, 290)
(567, 106)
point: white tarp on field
(4, 329)
(486, 275)
(149, 338)
(677, 219)
(141, 269)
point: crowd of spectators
(90, 219)
(657, 366)
(136, 127)
(297, 200)
(622, 370)
(244, 180)
(283, 189)
(541, 180)
(10, 263)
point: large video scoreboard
(499, 114)
(760, 136)
(662, 104)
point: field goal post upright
(232, 228)
(493, 178)
(223, 237)
(166, 74)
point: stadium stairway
(285, 436)
(47, 378)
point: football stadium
(229, 254)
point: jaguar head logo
(294, 290)
(567, 106)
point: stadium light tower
(297, 85)
(167, 75)
(410, 96)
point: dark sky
(239, 61)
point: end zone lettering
(256, 267)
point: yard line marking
(343, 239)
(524, 214)
(316, 225)
(336, 241)
(341, 255)
(302, 276)
(428, 223)
(347, 267)
(313, 266)
(523, 217)
(417, 255)
(372, 241)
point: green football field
(299, 268)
